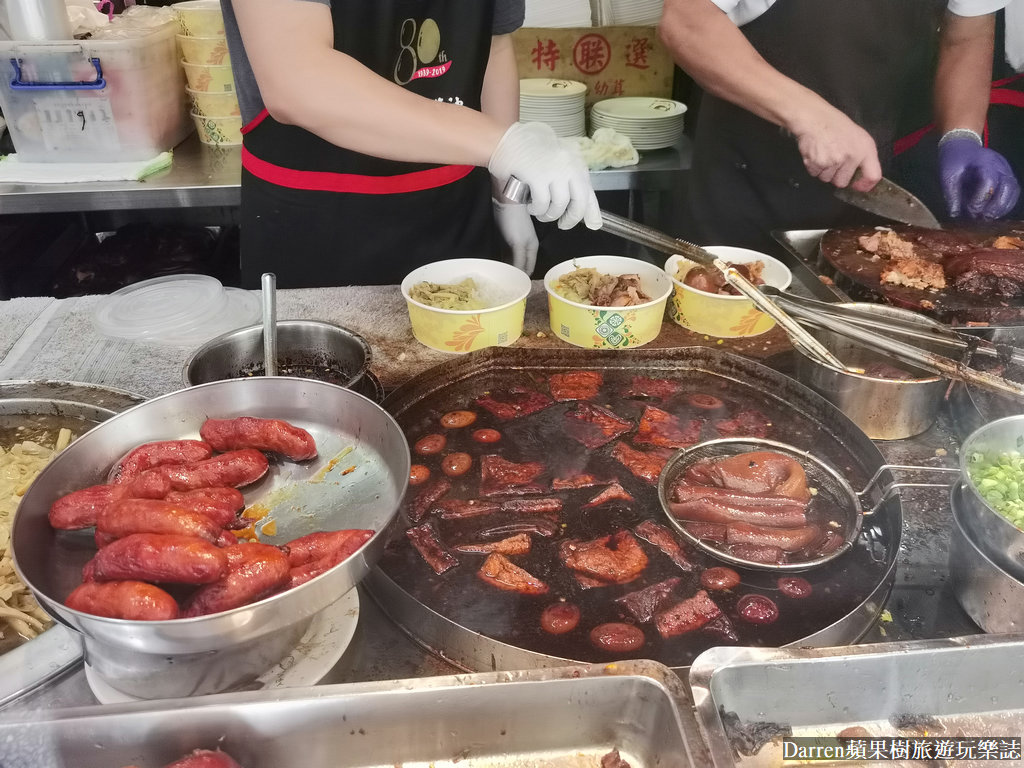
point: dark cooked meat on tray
(559, 544)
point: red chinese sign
(591, 54)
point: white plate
(318, 651)
(545, 86)
(640, 107)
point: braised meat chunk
(575, 482)
(424, 538)
(576, 385)
(914, 273)
(657, 427)
(887, 244)
(643, 386)
(988, 273)
(545, 506)
(427, 497)
(513, 403)
(666, 541)
(613, 492)
(687, 616)
(749, 423)
(644, 603)
(594, 426)
(646, 465)
(501, 477)
(513, 545)
(614, 559)
(500, 572)
(756, 472)
(614, 760)
(459, 509)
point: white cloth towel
(13, 170)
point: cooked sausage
(456, 464)
(617, 637)
(418, 474)
(559, 618)
(127, 516)
(262, 434)
(133, 600)
(205, 758)
(79, 509)
(428, 445)
(457, 419)
(254, 571)
(310, 570)
(235, 468)
(157, 454)
(314, 546)
(221, 505)
(158, 557)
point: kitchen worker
(376, 132)
(803, 96)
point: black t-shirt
(508, 17)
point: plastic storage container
(94, 100)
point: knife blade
(890, 200)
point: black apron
(320, 215)
(862, 56)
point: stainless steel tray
(27, 403)
(971, 686)
(567, 717)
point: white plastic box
(94, 100)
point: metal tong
(883, 337)
(627, 229)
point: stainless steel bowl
(988, 594)
(885, 409)
(300, 344)
(211, 653)
(997, 537)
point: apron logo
(420, 54)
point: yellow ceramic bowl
(223, 130)
(457, 331)
(609, 327)
(209, 78)
(724, 316)
(201, 18)
(204, 50)
(214, 103)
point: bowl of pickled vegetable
(992, 465)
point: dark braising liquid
(461, 596)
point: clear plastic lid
(176, 309)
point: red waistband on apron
(324, 181)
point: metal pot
(886, 409)
(301, 344)
(989, 595)
(993, 534)
(181, 657)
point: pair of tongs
(517, 192)
(893, 338)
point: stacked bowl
(207, 64)
(559, 103)
(650, 123)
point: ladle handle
(894, 488)
(269, 282)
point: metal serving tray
(970, 686)
(567, 717)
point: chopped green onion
(1000, 481)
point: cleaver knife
(891, 201)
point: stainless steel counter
(205, 176)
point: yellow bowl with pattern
(501, 286)
(200, 18)
(204, 50)
(593, 327)
(723, 316)
(219, 130)
(214, 103)
(209, 78)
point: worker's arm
(706, 43)
(975, 180)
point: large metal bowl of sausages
(192, 539)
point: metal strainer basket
(830, 490)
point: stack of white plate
(559, 103)
(650, 123)
(558, 13)
(633, 12)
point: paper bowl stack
(650, 123)
(559, 103)
(207, 64)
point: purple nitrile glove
(976, 180)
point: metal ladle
(518, 192)
(269, 282)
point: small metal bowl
(307, 349)
(886, 409)
(993, 534)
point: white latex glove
(554, 171)
(516, 226)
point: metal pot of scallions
(992, 464)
